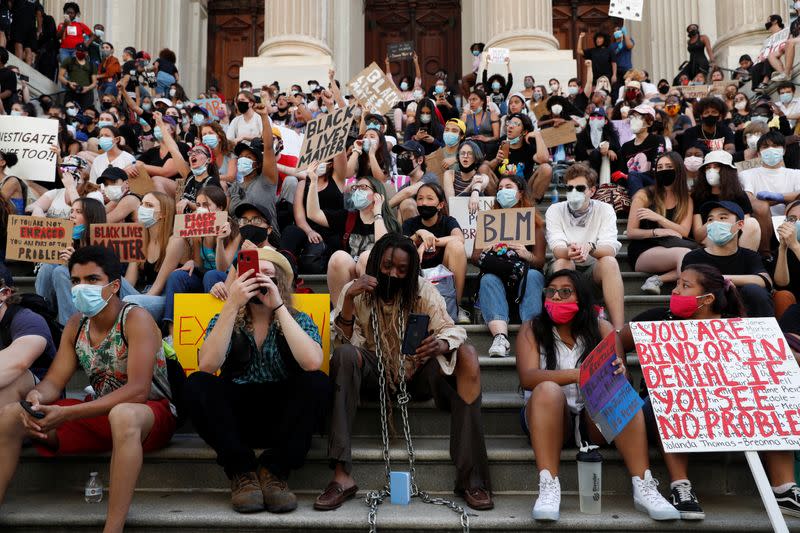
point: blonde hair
(244, 319)
(167, 205)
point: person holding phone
(270, 392)
(523, 153)
(426, 128)
(443, 366)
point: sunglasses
(579, 188)
(564, 293)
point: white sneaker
(647, 499)
(778, 76)
(652, 285)
(463, 316)
(546, 507)
(500, 346)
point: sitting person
(121, 203)
(268, 353)
(112, 155)
(549, 350)
(640, 155)
(494, 294)
(582, 233)
(131, 411)
(787, 265)
(724, 222)
(444, 367)
(426, 128)
(411, 163)
(597, 141)
(466, 179)
(523, 153)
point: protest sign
(125, 240)
(193, 312)
(505, 225)
(498, 55)
(37, 239)
(400, 51)
(434, 162)
(540, 109)
(212, 105)
(610, 400)
(772, 43)
(459, 209)
(141, 183)
(30, 140)
(326, 136)
(374, 90)
(558, 135)
(180, 186)
(720, 384)
(741, 166)
(692, 91)
(626, 9)
(777, 220)
(199, 224)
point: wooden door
(433, 26)
(235, 31)
(571, 17)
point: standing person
(621, 53)
(550, 349)
(79, 76)
(369, 317)
(71, 31)
(600, 55)
(27, 17)
(698, 46)
(130, 413)
(8, 84)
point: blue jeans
(212, 277)
(494, 304)
(637, 181)
(64, 53)
(163, 81)
(179, 282)
(153, 304)
(107, 87)
(53, 284)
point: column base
(527, 39)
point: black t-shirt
(129, 68)
(581, 101)
(520, 161)
(168, 67)
(793, 264)
(743, 263)
(601, 61)
(330, 199)
(153, 157)
(8, 82)
(362, 237)
(192, 186)
(25, 15)
(652, 147)
(695, 137)
(443, 228)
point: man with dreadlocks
(445, 368)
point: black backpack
(38, 305)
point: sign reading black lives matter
(374, 90)
(30, 139)
(326, 136)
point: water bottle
(554, 198)
(93, 493)
(590, 477)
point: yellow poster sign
(193, 312)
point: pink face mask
(683, 306)
(561, 312)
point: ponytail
(727, 301)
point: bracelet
(341, 320)
(276, 309)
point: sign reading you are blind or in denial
(721, 385)
(374, 90)
(515, 225)
(199, 224)
(125, 240)
(30, 140)
(326, 136)
(37, 239)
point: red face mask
(683, 306)
(80, 55)
(631, 94)
(561, 312)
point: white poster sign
(626, 9)
(459, 209)
(30, 139)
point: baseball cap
(410, 146)
(734, 208)
(246, 206)
(460, 123)
(112, 174)
(256, 146)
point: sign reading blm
(721, 384)
(326, 136)
(374, 90)
(506, 225)
(37, 239)
(30, 139)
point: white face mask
(113, 192)
(637, 124)
(624, 110)
(712, 176)
(740, 105)
(752, 141)
(575, 199)
(556, 109)
(597, 125)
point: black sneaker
(789, 501)
(685, 501)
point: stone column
(512, 24)
(740, 27)
(296, 28)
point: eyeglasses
(515, 124)
(255, 221)
(564, 293)
(362, 187)
(466, 154)
(791, 218)
(579, 188)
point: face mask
(198, 120)
(179, 105)
(672, 110)
(537, 97)
(666, 177)
(80, 55)
(254, 234)
(624, 110)
(637, 124)
(211, 140)
(147, 107)
(553, 88)
(323, 108)
(495, 85)
(710, 120)
(692, 163)
(360, 199)
(786, 98)
(418, 95)
(507, 198)
(72, 112)
(427, 212)
(78, 231)
(683, 306)
(88, 299)
(597, 124)
(561, 312)
(366, 145)
(242, 106)
(617, 35)
(514, 140)
(759, 119)
(556, 110)
(740, 105)
(752, 141)
(201, 170)
(321, 169)
(439, 89)
(388, 286)
(719, 232)
(201, 210)
(572, 90)
(113, 192)
(157, 133)
(105, 143)
(575, 199)
(712, 176)
(476, 53)
(528, 84)
(692, 33)
(173, 92)
(146, 216)
(772, 156)
(105, 53)
(631, 94)
(100, 33)
(16, 113)
(403, 85)
(663, 89)
(450, 138)
(425, 118)
(406, 165)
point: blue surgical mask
(786, 98)
(495, 85)
(617, 35)
(367, 145)
(211, 140)
(105, 143)
(450, 138)
(147, 107)
(772, 156)
(514, 140)
(439, 89)
(198, 119)
(759, 119)
(179, 105)
(506, 198)
(104, 124)
(144, 123)
(88, 299)
(146, 216)
(244, 166)
(78, 231)
(360, 199)
(157, 133)
(199, 171)
(797, 229)
(403, 85)
(374, 126)
(476, 53)
(719, 232)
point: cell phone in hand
(28, 409)
(416, 332)
(23, 77)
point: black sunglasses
(579, 188)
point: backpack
(38, 305)
(349, 226)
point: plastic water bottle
(590, 478)
(93, 493)
(554, 198)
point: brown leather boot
(246, 494)
(275, 492)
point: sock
(679, 482)
(782, 488)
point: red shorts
(93, 435)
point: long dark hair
(440, 195)
(408, 292)
(583, 327)
(680, 188)
(93, 213)
(727, 301)
(729, 186)
(381, 155)
(389, 220)
(435, 127)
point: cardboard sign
(772, 43)
(498, 55)
(626, 9)
(558, 135)
(37, 239)
(692, 92)
(741, 166)
(125, 240)
(540, 109)
(326, 136)
(180, 186)
(721, 385)
(199, 224)
(400, 51)
(30, 139)
(434, 162)
(141, 183)
(515, 225)
(610, 400)
(212, 105)
(459, 209)
(374, 90)
(193, 312)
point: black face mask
(468, 168)
(106, 106)
(388, 286)
(427, 211)
(768, 25)
(692, 33)
(242, 106)
(254, 234)
(406, 165)
(666, 177)
(710, 120)
(663, 89)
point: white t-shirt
(59, 208)
(600, 227)
(781, 180)
(791, 110)
(123, 160)
(239, 127)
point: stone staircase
(181, 488)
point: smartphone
(23, 77)
(27, 406)
(248, 260)
(416, 332)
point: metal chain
(376, 497)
